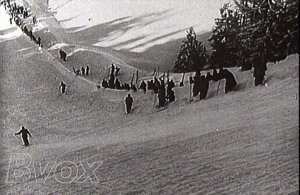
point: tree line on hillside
(249, 34)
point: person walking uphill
(25, 134)
(62, 87)
(161, 97)
(128, 104)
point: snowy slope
(136, 25)
(244, 142)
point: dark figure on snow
(39, 41)
(133, 87)
(196, 81)
(31, 35)
(87, 70)
(82, 71)
(62, 55)
(25, 14)
(170, 95)
(104, 83)
(230, 82)
(260, 68)
(203, 87)
(126, 86)
(76, 72)
(34, 39)
(161, 97)
(128, 104)
(25, 134)
(34, 19)
(171, 84)
(112, 71)
(117, 84)
(117, 70)
(156, 85)
(25, 29)
(150, 85)
(62, 86)
(111, 81)
(143, 86)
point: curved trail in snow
(108, 56)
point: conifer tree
(224, 40)
(192, 55)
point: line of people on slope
(83, 71)
(201, 82)
(15, 11)
(114, 83)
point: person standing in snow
(62, 87)
(62, 54)
(87, 70)
(82, 71)
(143, 86)
(161, 96)
(25, 132)
(128, 103)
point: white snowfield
(243, 142)
(7, 30)
(142, 23)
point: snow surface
(143, 23)
(7, 31)
(243, 142)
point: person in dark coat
(104, 83)
(25, 134)
(112, 71)
(25, 29)
(203, 87)
(128, 103)
(150, 85)
(82, 71)
(30, 35)
(126, 86)
(171, 84)
(117, 70)
(170, 95)
(76, 72)
(156, 85)
(39, 41)
(62, 86)
(143, 86)
(196, 81)
(260, 69)
(62, 55)
(117, 84)
(161, 97)
(87, 72)
(230, 81)
(111, 81)
(133, 87)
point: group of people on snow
(16, 11)
(83, 71)
(163, 91)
